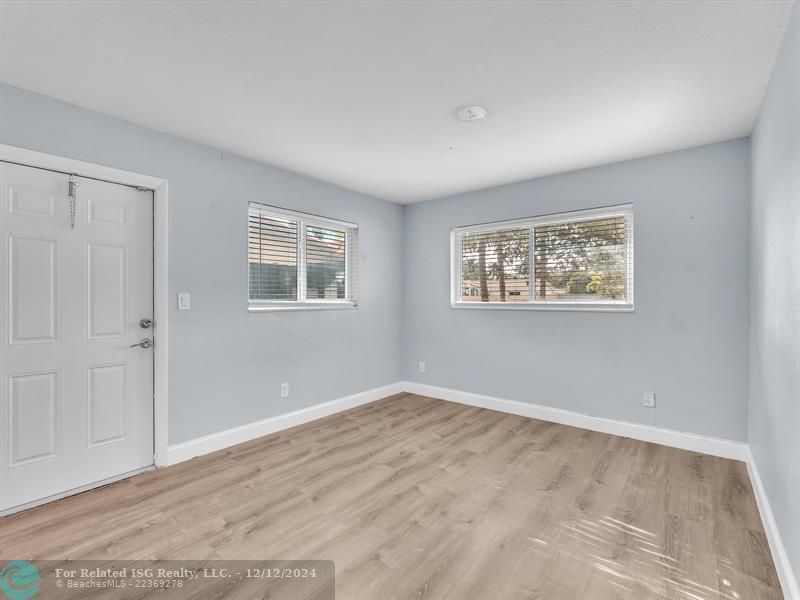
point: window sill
(561, 306)
(289, 306)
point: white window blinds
(326, 260)
(494, 265)
(272, 245)
(299, 260)
(581, 260)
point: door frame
(159, 187)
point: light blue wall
(683, 341)
(687, 339)
(226, 365)
(774, 415)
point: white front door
(76, 400)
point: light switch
(184, 301)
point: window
(298, 260)
(578, 260)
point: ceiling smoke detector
(472, 113)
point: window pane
(495, 266)
(325, 263)
(581, 261)
(272, 257)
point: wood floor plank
(426, 499)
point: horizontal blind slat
(282, 245)
(494, 265)
(272, 256)
(326, 261)
(583, 259)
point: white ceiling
(364, 94)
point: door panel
(76, 400)
(107, 399)
(36, 203)
(32, 290)
(107, 293)
(106, 212)
(34, 411)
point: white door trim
(52, 162)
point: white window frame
(456, 281)
(351, 263)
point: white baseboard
(646, 433)
(667, 437)
(789, 583)
(245, 433)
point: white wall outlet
(649, 399)
(284, 390)
(422, 366)
(184, 301)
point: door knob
(143, 343)
(145, 323)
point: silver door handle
(143, 343)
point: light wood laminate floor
(421, 498)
